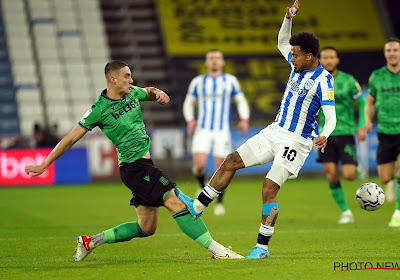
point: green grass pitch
(39, 226)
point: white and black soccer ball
(370, 196)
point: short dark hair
(327, 48)
(214, 50)
(393, 39)
(307, 41)
(114, 65)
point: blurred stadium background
(53, 53)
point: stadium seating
(134, 36)
(9, 123)
(57, 50)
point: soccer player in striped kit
(214, 93)
(288, 141)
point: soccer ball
(370, 196)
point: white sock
(209, 193)
(216, 248)
(198, 206)
(266, 230)
(348, 211)
(396, 213)
(265, 247)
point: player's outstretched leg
(219, 181)
(194, 228)
(120, 233)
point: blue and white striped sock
(205, 197)
(264, 236)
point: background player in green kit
(341, 145)
(384, 94)
(117, 113)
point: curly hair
(307, 41)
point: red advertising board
(103, 158)
(12, 167)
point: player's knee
(198, 170)
(333, 178)
(385, 178)
(277, 176)
(232, 162)
(148, 228)
(350, 176)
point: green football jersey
(347, 89)
(122, 122)
(385, 87)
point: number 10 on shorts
(290, 154)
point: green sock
(338, 194)
(194, 228)
(123, 232)
(398, 194)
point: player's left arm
(326, 94)
(242, 107)
(155, 94)
(330, 123)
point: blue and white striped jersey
(304, 95)
(214, 97)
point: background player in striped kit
(341, 146)
(384, 93)
(288, 141)
(213, 93)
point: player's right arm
(189, 105)
(369, 110)
(286, 30)
(64, 145)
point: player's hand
(191, 125)
(243, 126)
(368, 126)
(360, 134)
(36, 170)
(293, 10)
(161, 97)
(320, 143)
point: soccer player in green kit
(384, 94)
(117, 112)
(341, 145)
